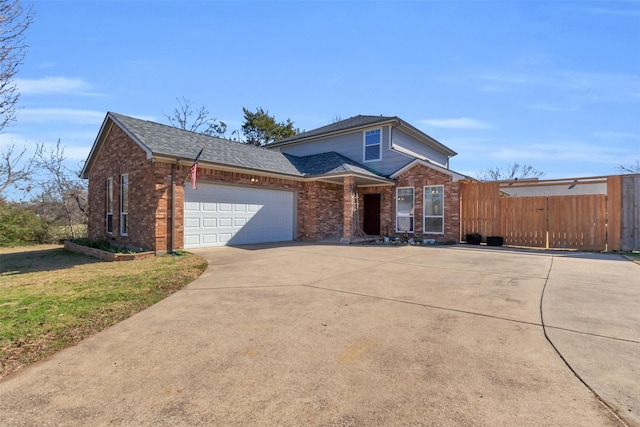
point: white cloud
(511, 78)
(616, 135)
(67, 115)
(20, 141)
(634, 13)
(459, 123)
(594, 87)
(560, 151)
(543, 106)
(54, 85)
(492, 89)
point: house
(366, 175)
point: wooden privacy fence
(580, 221)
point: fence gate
(578, 222)
(523, 220)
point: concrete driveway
(329, 335)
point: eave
(454, 175)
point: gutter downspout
(173, 207)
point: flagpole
(194, 167)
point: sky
(553, 84)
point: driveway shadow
(29, 261)
(558, 253)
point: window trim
(124, 216)
(109, 206)
(411, 214)
(427, 190)
(364, 145)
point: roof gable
(359, 122)
(337, 127)
(343, 126)
(455, 176)
(163, 141)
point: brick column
(348, 211)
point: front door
(371, 214)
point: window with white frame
(434, 209)
(372, 145)
(124, 204)
(109, 203)
(404, 209)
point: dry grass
(51, 298)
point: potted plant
(495, 240)
(473, 238)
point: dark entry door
(371, 220)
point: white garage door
(218, 215)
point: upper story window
(372, 145)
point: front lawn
(51, 298)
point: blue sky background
(554, 84)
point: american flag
(193, 172)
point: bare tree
(14, 21)
(15, 172)
(631, 168)
(512, 171)
(64, 194)
(195, 120)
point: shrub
(19, 226)
(103, 245)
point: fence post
(546, 246)
(614, 212)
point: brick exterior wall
(319, 204)
(320, 211)
(120, 155)
(350, 191)
(420, 176)
(323, 209)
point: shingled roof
(330, 163)
(359, 122)
(163, 141)
(340, 126)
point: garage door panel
(225, 237)
(191, 223)
(192, 206)
(192, 241)
(225, 222)
(237, 215)
(208, 239)
(210, 222)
